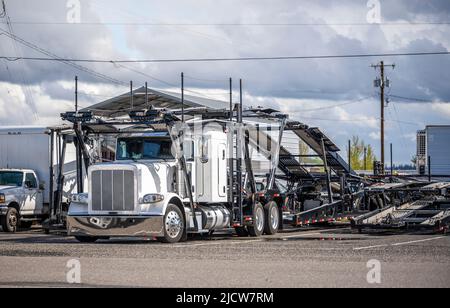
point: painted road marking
(400, 244)
(308, 234)
(370, 247)
(419, 241)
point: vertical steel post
(182, 97)
(429, 169)
(76, 93)
(239, 156)
(51, 184)
(131, 95)
(327, 170)
(146, 94)
(392, 161)
(231, 149)
(349, 155)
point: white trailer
(29, 160)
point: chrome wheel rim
(12, 220)
(174, 224)
(274, 217)
(259, 219)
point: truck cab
(21, 199)
(144, 193)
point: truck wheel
(258, 221)
(86, 239)
(174, 226)
(272, 221)
(10, 221)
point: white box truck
(26, 156)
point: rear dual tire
(266, 220)
(259, 221)
(272, 221)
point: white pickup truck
(21, 199)
(26, 173)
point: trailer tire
(86, 239)
(173, 225)
(10, 221)
(272, 221)
(257, 229)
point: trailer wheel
(272, 221)
(10, 221)
(173, 225)
(258, 221)
(86, 239)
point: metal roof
(121, 105)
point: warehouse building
(434, 143)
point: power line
(170, 24)
(348, 56)
(29, 98)
(410, 98)
(357, 120)
(334, 106)
(59, 59)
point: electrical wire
(62, 60)
(169, 24)
(334, 106)
(323, 57)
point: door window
(30, 180)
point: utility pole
(382, 83)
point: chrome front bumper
(115, 226)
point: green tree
(358, 146)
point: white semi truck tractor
(165, 188)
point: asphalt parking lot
(327, 257)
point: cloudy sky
(336, 95)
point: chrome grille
(112, 191)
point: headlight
(152, 198)
(80, 198)
(2, 198)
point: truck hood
(6, 188)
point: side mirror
(41, 186)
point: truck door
(222, 170)
(33, 196)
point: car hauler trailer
(36, 180)
(410, 206)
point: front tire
(174, 225)
(10, 221)
(258, 221)
(272, 221)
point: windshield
(144, 148)
(9, 178)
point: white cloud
(442, 109)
